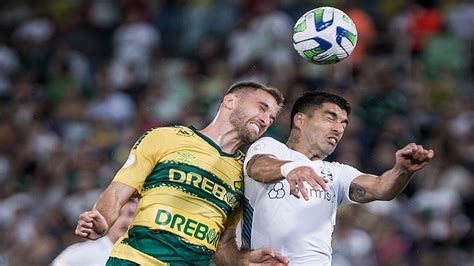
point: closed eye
(331, 116)
(263, 107)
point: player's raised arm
(409, 159)
(95, 223)
(266, 168)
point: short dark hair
(313, 100)
(250, 85)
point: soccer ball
(324, 35)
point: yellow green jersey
(189, 192)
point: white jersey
(90, 252)
(299, 229)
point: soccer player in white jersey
(96, 253)
(302, 229)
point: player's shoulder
(332, 164)
(337, 166)
(176, 130)
(268, 141)
(160, 135)
(265, 144)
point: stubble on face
(320, 151)
(293, 140)
(239, 119)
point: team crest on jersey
(327, 175)
(277, 191)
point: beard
(321, 151)
(326, 152)
(239, 120)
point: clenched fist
(91, 225)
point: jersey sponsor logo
(182, 225)
(187, 226)
(230, 199)
(277, 191)
(183, 132)
(329, 195)
(204, 183)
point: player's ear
(298, 120)
(229, 101)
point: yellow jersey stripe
(126, 252)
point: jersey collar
(213, 144)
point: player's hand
(91, 225)
(266, 256)
(412, 157)
(299, 175)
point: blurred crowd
(81, 80)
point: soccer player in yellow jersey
(189, 185)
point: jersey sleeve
(346, 174)
(143, 157)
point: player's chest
(279, 192)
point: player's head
(252, 108)
(320, 119)
(123, 221)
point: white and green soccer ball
(324, 35)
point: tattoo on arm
(356, 192)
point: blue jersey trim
(247, 224)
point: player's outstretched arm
(229, 254)
(408, 160)
(266, 168)
(95, 223)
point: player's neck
(224, 135)
(297, 144)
